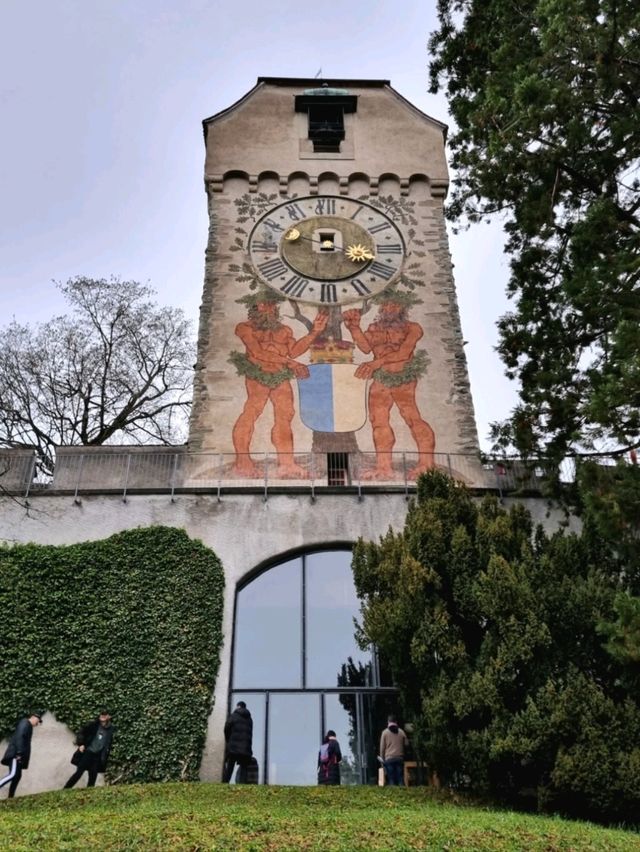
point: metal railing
(17, 471)
(166, 471)
(173, 470)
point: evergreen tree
(623, 638)
(544, 94)
(491, 630)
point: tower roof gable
(303, 83)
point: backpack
(326, 760)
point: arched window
(298, 667)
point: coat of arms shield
(332, 399)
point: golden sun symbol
(359, 253)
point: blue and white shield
(332, 399)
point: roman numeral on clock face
(375, 229)
(393, 248)
(381, 270)
(328, 293)
(272, 268)
(275, 226)
(360, 287)
(325, 206)
(295, 286)
(262, 246)
(295, 211)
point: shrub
(491, 630)
(133, 622)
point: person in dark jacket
(18, 752)
(238, 734)
(94, 744)
(329, 758)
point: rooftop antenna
(318, 74)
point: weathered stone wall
(393, 158)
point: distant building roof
(313, 82)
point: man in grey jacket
(393, 745)
(18, 752)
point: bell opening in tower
(326, 127)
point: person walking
(329, 758)
(94, 744)
(238, 734)
(18, 752)
(393, 744)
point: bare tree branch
(118, 367)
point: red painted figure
(392, 339)
(270, 349)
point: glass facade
(331, 607)
(268, 633)
(298, 667)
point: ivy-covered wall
(133, 622)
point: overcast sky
(101, 153)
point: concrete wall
(242, 529)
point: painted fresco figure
(268, 367)
(394, 373)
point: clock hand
(294, 234)
(357, 253)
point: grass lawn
(216, 816)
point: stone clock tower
(330, 374)
(330, 341)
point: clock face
(326, 250)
